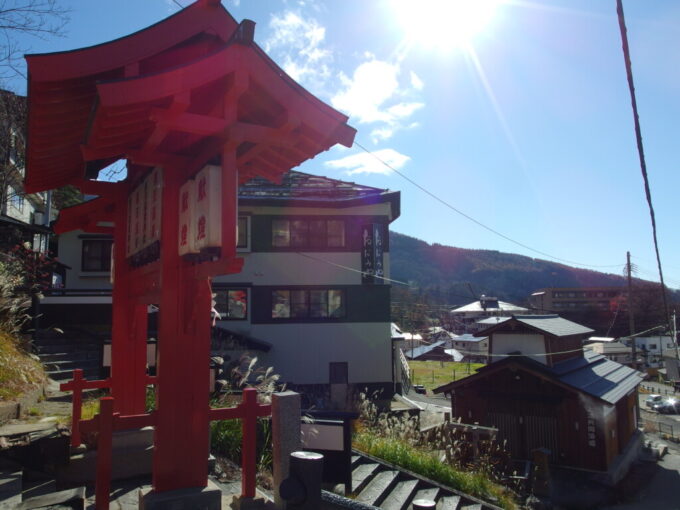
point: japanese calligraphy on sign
(143, 219)
(372, 253)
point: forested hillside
(449, 275)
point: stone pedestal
(203, 498)
(285, 437)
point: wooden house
(542, 390)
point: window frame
(247, 246)
(297, 233)
(104, 256)
(224, 315)
(299, 304)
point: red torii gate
(191, 90)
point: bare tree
(36, 18)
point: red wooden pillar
(181, 443)
(128, 331)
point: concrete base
(197, 498)
(256, 503)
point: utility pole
(631, 318)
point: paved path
(662, 491)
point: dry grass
(442, 458)
(19, 372)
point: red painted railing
(107, 422)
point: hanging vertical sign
(144, 220)
(378, 253)
(372, 253)
(201, 212)
(187, 203)
(208, 213)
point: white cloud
(297, 44)
(364, 163)
(416, 82)
(374, 94)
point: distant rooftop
(487, 304)
(303, 186)
(551, 324)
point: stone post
(285, 437)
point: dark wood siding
(533, 412)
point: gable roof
(592, 374)
(553, 325)
(300, 188)
(491, 306)
(423, 349)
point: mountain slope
(445, 272)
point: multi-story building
(311, 300)
(23, 217)
(565, 299)
(465, 317)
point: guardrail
(658, 390)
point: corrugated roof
(476, 306)
(419, 351)
(553, 325)
(467, 337)
(304, 186)
(599, 377)
(591, 373)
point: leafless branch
(41, 19)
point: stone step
(356, 459)
(69, 356)
(427, 493)
(448, 503)
(361, 475)
(378, 488)
(71, 364)
(10, 487)
(475, 506)
(70, 498)
(55, 348)
(399, 497)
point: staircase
(383, 485)
(61, 353)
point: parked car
(668, 406)
(652, 400)
(419, 388)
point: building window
(308, 304)
(16, 200)
(308, 233)
(243, 238)
(652, 347)
(96, 255)
(232, 304)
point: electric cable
(640, 148)
(473, 220)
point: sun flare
(443, 24)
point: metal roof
(423, 349)
(467, 337)
(491, 306)
(592, 374)
(553, 325)
(601, 377)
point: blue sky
(520, 116)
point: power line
(347, 268)
(179, 4)
(473, 220)
(640, 148)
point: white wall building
(310, 298)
